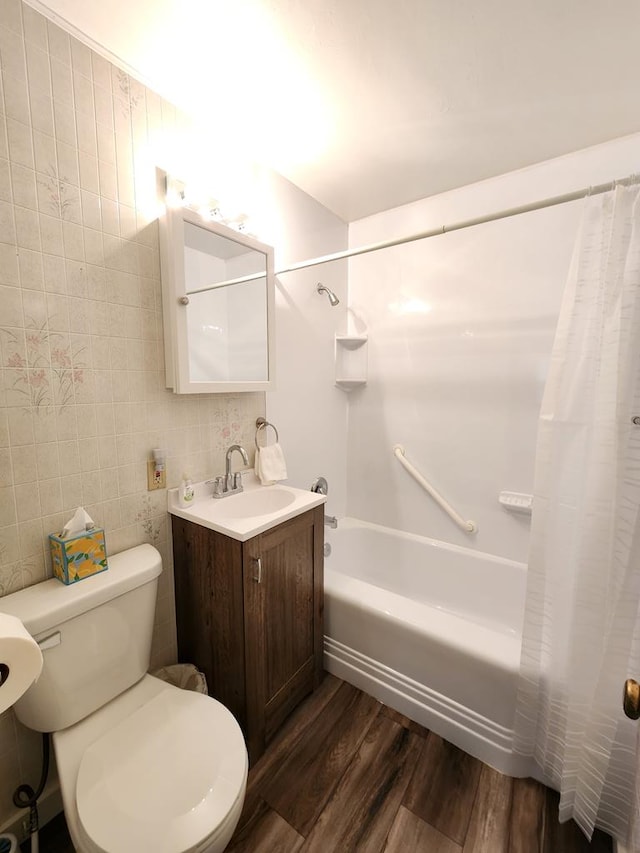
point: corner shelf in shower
(518, 502)
(351, 361)
(350, 384)
(351, 341)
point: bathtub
(430, 629)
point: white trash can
(184, 675)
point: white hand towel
(270, 465)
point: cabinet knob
(183, 300)
(258, 578)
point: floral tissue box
(78, 557)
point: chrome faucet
(233, 482)
(229, 484)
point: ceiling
(367, 104)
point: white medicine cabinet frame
(218, 300)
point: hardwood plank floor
(267, 833)
(527, 816)
(368, 796)
(443, 788)
(345, 773)
(489, 824)
(304, 781)
(410, 833)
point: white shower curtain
(582, 620)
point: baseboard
(49, 805)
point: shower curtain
(582, 621)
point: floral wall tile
(82, 393)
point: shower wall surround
(82, 396)
(460, 331)
(309, 411)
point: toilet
(143, 765)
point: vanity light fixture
(211, 209)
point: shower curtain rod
(552, 201)
(598, 189)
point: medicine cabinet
(218, 306)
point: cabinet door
(210, 610)
(283, 622)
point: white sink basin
(252, 511)
(248, 504)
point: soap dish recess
(351, 361)
(516, 502)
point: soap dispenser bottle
(187, 491)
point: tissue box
(77, 557)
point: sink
(256, 509)
(249, 504)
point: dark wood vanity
(250, 616)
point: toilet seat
(165, 778)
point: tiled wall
(82, 396)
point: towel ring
(263, 423)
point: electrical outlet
(156, 479)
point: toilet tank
(95, 637)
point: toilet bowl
(143, 765)
(159, 769)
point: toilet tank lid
(50, 603)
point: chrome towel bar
(263, 423)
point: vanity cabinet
(249, 615)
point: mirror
(218, 302)
(227, 326)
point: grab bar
(467, 526)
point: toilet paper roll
(20, 660)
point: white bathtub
(430, 629)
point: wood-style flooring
(346, 773)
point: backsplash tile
(82, 396)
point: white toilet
(143, 765)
